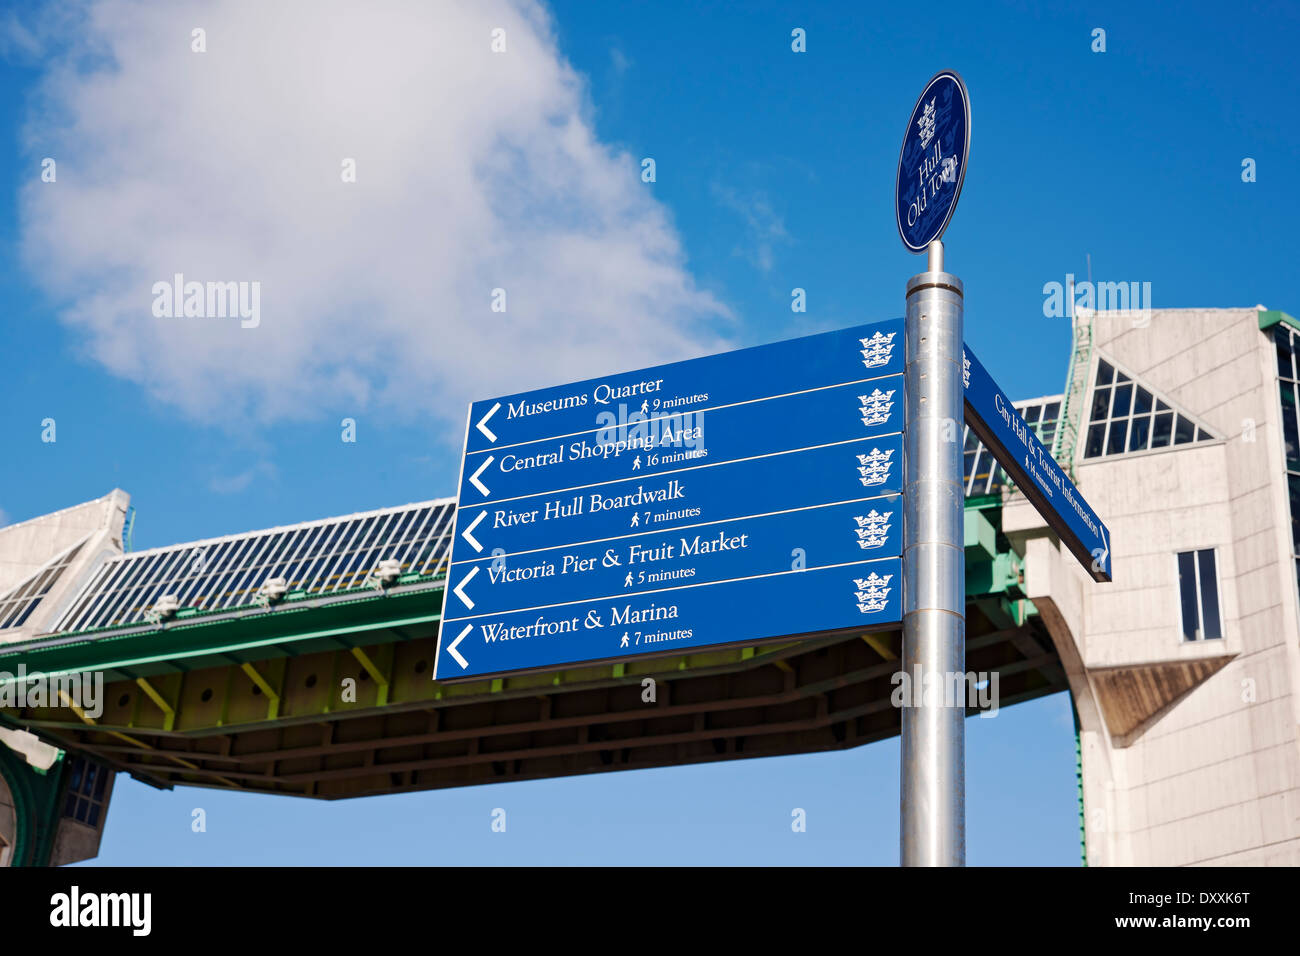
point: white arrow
(457, 590)
(473, 479)
(482, 422)
(451, 648)
(468, 533)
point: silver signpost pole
(933, 812)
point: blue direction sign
(822, 536)
(795, 603)
(1017, 449)
(731, 498)
(932, 161)
(848, 471)
(678, 440)
(797, 365)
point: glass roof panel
(336, 554)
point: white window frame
(1086, 422)
(1200, 594)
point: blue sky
(774, 170)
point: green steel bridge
(298, 661)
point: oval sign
(932, 161)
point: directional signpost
(728, 499)
(931, 168)
(805, 487)
(1031, 466)
(944, 383)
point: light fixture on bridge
(388, 571)
(273, 589)
(163, 608)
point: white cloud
(233, 484)
(17, 41)
(765, 228)
(475, 170)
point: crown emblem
(926, 124)
(876, 407)
(877, 349)
(872, 529)
(872, 592)
(874, 468)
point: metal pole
(933, 812)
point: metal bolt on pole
(933, 792)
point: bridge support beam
(29, 810)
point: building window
(87, 782)
(1198, 591)
(1126, 417)
(984, 476)
(1286, 343)
(17, 605)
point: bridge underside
(282, 718)
(298, 660)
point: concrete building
(1185, 670)
(51, 813)
(1179, 426)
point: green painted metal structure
(1271, 317)
(1076, 388)
(36, 797)
(335, 699)
(327, 692)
